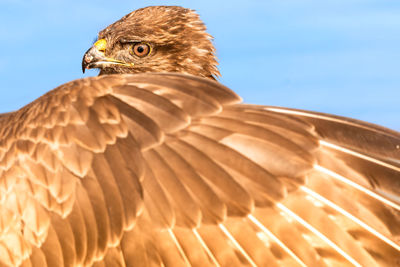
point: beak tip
(84, 64)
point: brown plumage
(176, 37)
(169, 169)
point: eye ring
(141, 49)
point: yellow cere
(101, 45)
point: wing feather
(187, 211)
(169, 170)
(235, 197)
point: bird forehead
(152, 21)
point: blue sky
(333, 56)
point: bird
(156, 163)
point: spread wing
(169, 170)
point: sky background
(333, 56)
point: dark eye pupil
(140, 49)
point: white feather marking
(276, 239)
(181, 251)
(350, 216)
(319, 234)
(237, 245)
(312, 115)
(206, 248)
(200, 51)
(356, 186)
(359, 155)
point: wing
(169, 170)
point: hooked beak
(95, 57)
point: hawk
(155, 163)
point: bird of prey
(155, 163)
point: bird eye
(141, 49)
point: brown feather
(163, 169)
(210, 183)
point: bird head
(154, 39)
